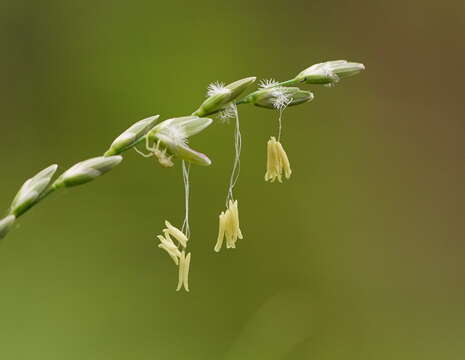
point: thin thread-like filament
(185, 175)
(280, 124)
(237, 161)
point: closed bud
(6, 225)
(31, 190)
(182, 127)
(329, 72)
(280, 97)
(186, 153)
(132, 135)
(220, 95)
(87, 170)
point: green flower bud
(329, 72)
(132, 135)
(87, 170)
(31, 190)
(280, 97)
(219, 95)
(182, 127)
(6, 225)
(186, 153)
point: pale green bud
(6, 225)
(171, 135)
(220, 95)
(87, 170)
(329, 72)
(184, 152)
(31, 190)
(280, 97)
(182, 127)
(132, 135)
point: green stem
(288, 83)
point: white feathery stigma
(229, 112)
(176, 134)
(267, 83)
(216, 88)
(281, 98)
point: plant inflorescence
(168, 140)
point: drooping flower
(277, 162)
(229, 227)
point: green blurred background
(358, 256)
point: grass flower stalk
(168, 141)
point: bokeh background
(359, 256)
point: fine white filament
(185, 175)
(237, 154)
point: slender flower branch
(169, 138)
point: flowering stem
(37, 188)
(244, 100)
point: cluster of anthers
(229, 227)
(177, 252)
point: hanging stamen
(178, 251)
(229, 219)
(185, 175)
(237, 154)
(277, 160)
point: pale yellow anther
(176, 233)
(172, 254)
(229, 227)
(176, 252)
(183, 274)
(277, 162)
